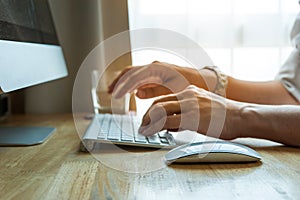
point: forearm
(270, 92)
(276, 123)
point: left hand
(192, 109)
(156, 79)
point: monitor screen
(29, 49)
(27, 21)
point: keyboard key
(140, 138)
(154, 139)
(136, 125)
(101, 136)
(164, 140)
(127, 129)
(104, 127)
(114, 134)
(163, 134)
(115, 128)
(126, 138)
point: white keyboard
(123, 129)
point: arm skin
(276, 123)
(268, 121)
(270, 93)
(255, 102)
(197, 109)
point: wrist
(221, 80)
(238, 117)
(202, 78)
(252, 121)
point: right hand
(194, 109)
(153, 80)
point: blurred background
(248, 39)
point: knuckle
(158, 106)
(191, 87)
(128, 67)
(155, 62)
(189, 103)
(194, 104)
(202, 90)
(189, 92)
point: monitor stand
(24, 136)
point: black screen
(27, 21)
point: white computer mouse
(211, 152)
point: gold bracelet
(222, 80)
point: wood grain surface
(57, 169)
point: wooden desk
(57, 170)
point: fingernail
(141, 130)
(148, 132)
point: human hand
(153, 80)
(192, 109)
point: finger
(139, 78)
(153, 90)
(128, 70)
(150, 74)
(175, 122)
(169, 108)
(175, 97)
(134, 83)
(165, 105)
(160, 110)
(125, 74)
(171, 122)
(165, 98)
(186, 94)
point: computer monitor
(29, 54)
